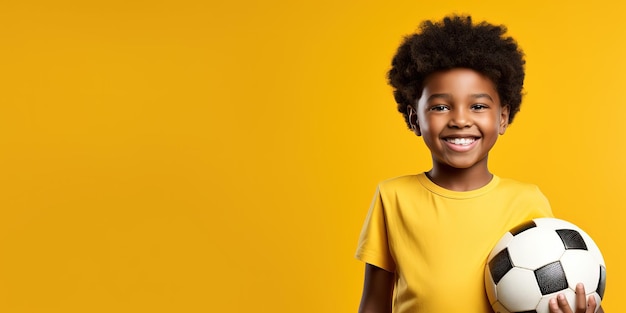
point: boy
(427, 236)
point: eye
(479, 107)
(439, 108)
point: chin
(464, 165)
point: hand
(559, 304)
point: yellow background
(220, 156)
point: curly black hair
(456, 42)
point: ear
(504, 119)
(412, 114)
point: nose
(460, 118)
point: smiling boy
(459, 116)
(426, 237)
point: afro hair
(456, 42)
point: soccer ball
(539, 259)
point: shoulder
(517, 186)
(521, 192)
(401, 190)
(399, 183)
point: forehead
(458, 82)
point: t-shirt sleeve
(542, 203)
(373, 247)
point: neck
(460, 179)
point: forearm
(377, 290)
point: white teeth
(461, 141)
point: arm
(377, 290)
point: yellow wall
(194, 156)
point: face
(460, 117)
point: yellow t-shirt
(437, 240)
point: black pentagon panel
(601, 282)
(572, 240)
(522, 227)
(532, 311)
(500, 265)
(551, 278)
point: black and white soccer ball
(539, 259)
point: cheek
(432, 124)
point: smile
(461, 141)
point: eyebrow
(448, 96)
(481, 95)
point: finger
(559, 304)
(563, 304)
(581, 298)
(591, 305)
(553, 305)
